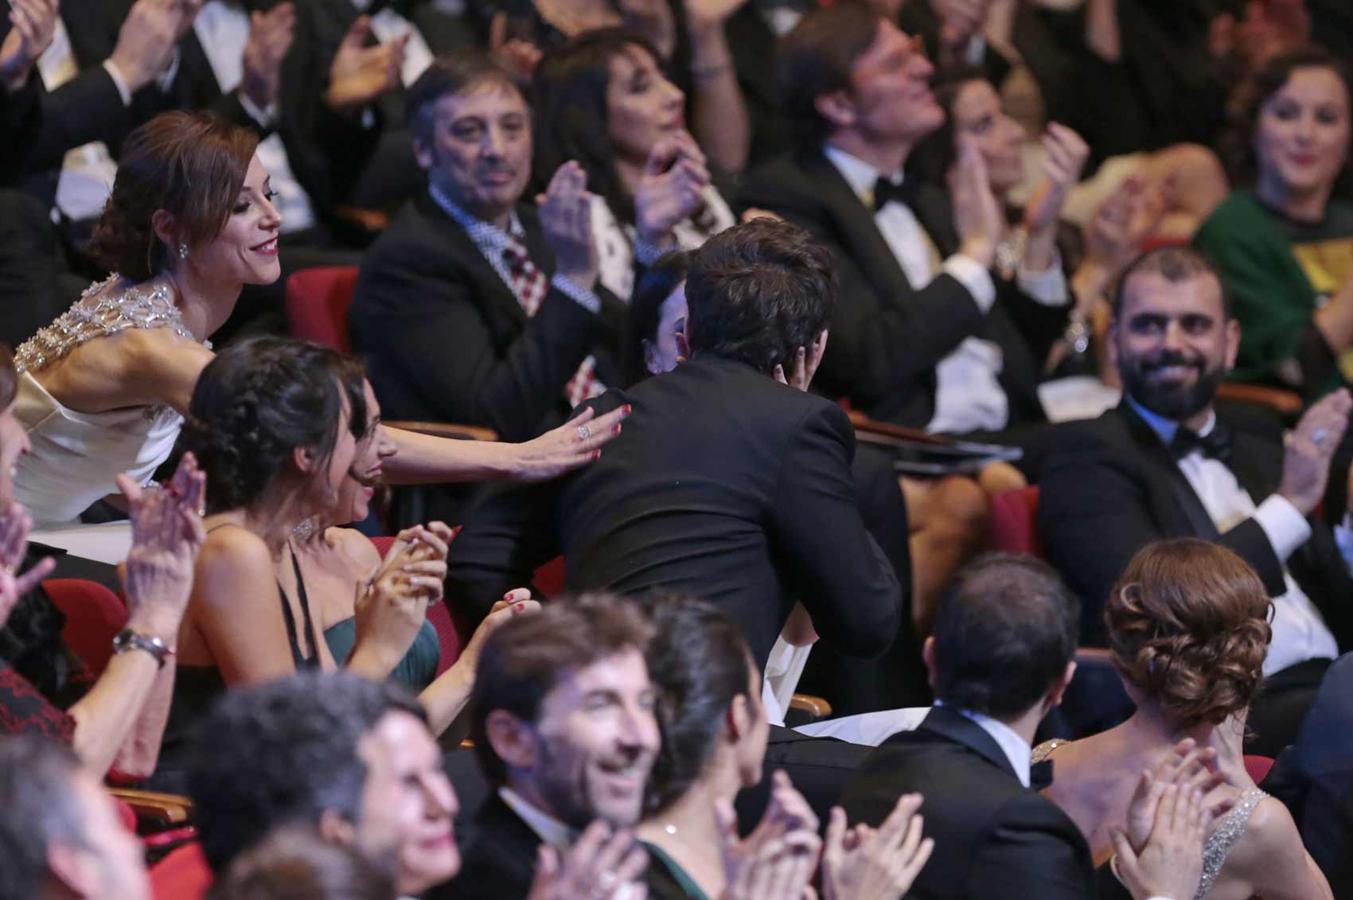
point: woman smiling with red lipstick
(1283, 242)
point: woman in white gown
(103, 388)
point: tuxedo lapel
(955, 726)
(1162, 472)
(857, 228)
(1251, 461)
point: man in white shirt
(565, 729)
(1164, 464)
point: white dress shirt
(547, 827)
(1016, 749)
(388, 25)
(968, 395)
(223, 30)
(1299, 631)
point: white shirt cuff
(1285, 528)
(1047, 287)
(579, 295)
(974, 276)
(166, 78)
(977, 48)
(118, 82)
(264, 117)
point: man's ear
(1059, 689)
(1232, 342)
(738, 719)
(836, 107)
(335, 829)
(683, 343)
(928, 657)
(512, 740)
(74, 868)
(422, 152)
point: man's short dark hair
(283, 753)
(525, 657)
(38, 806)
(1175, 265)
(1003, 635)
(449, 75)
(758, 292)
(816, 58)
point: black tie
(1040, 775)
(1216, 443)
(887, 190)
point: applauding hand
(864, 863)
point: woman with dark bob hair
(1188, 632)
(1283, 239)
(714, 734)
(603, 100)
(103, 389)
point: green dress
(418, 667)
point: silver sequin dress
(76, 455)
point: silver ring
(1319, 436)
(605, 883)
(584, 432)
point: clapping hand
(1310, 447)
(270, 36)
(1115, 233)
(148, 38)
(566, 216)
(13, 546)
(601, 865)
(864, 863)
(671, 189)
(977, 215)
(516, 602)
(167, 534)
(1170, 863)
(393, 604)
(778, 858)
(359, 74)
(518, 55)
(33, 25)
(1064, 158)
(1186, 765)
(575, 443)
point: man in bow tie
(1165, 464)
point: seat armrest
(817, 707)
(446, 430)
(1286, 403)
(157, 809)
(886, 432)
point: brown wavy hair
(1188, 627)
(190, 164)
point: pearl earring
(183, 251)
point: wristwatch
(134, 640)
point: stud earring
(183, 251)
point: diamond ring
(584, 432)
(1319, 436)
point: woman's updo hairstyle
(1188, 627)
(1246, 103)
(698, 662)
(191, 165)
(259, 400)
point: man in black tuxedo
(724, 483)
(565, 730)
(473, 307)
(1167, 463)
(1000, 659)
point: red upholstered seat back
(1014, 522)
(317, 305)
(94, 616)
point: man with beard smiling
(564, 726)
(1165, 464)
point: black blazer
(446, 340)
(723, 484)
(887, 335)
(993, 836)
(498, 861)
(1111, 487)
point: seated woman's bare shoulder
(356, 548)
(134, 367)
(1269, 859)
(230, 557)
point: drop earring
(183, 251)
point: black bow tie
(886, 190)
(1216, 443)
(1040, 775)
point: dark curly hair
(1247, 102)
(189, 164)
(698, 661)
(291, 751)
(259, 400)
(1188, 628)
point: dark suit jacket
(1111, 487)
(753, 46)
(1314, 778)
(887, 335)
(818, 766)
(993, 836)
(498, 860)
(724, 484)
(446, 340)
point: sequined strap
(1045, 749)
(1229, 830)
(97, 313)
